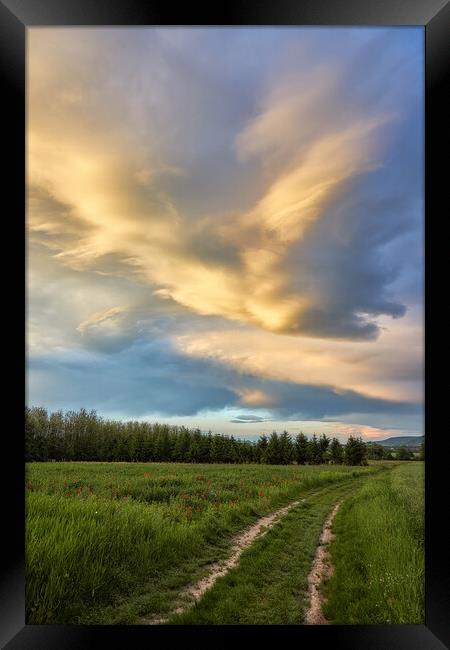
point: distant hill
(401, 441)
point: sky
(225, 227)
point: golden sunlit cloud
(373, 372)
(100, 318)
(115, 200)
(256, 398)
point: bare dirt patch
(321, 569)
(195, 591)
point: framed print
(228, 286)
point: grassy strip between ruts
(269, 586)
(378, 552)
(109, 543)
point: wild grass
(109, 542)
(378, 552)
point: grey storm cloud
(144, 379)
(150, 377)
(297, 401)
(245, 419)
(344, 260)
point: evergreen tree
(314, 451)
(323, 444)
(196, 447)
(262, 449)
(286, 449)
(234, 456)
(273, 450)
(216, 449)
(355, 452)
(301, 449)
(336, 452)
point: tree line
(376, 451)
(85, 436)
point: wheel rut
(195, 591)
(321, 570)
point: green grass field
(109, 542)
(378, 552)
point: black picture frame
(434, 16)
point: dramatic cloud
(305, 258)
(391, 369)
(246, 419)
(222, 218)
(150, 377)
